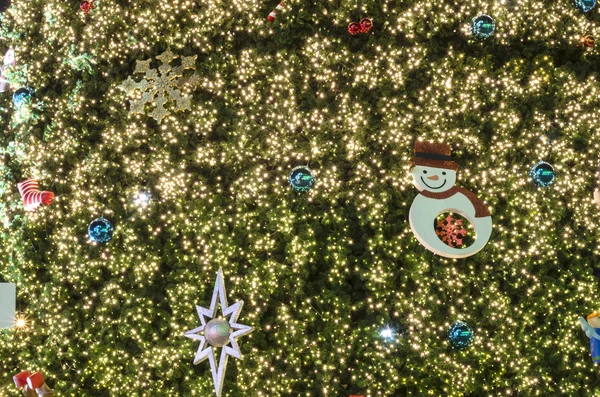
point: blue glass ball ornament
(482, 26)
(460, 335)
(101, 230)
(22, 96)
(542, 174)
(585, 5)
(301, 178)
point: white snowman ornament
(434, 174)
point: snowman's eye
(443, 173)
(424, 171)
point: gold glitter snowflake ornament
(158, 87)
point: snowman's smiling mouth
(431, 187)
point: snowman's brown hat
(431, 154)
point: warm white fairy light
(309, 266)
(142, 199)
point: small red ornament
(353, 28)
(588, 40)
(86, 6)
(365, 25)
(451, 231)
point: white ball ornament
(217, 332)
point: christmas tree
(155, 143)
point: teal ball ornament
(542, 174)
(460, 335)
(482, 26)
(301, 178)
(585, 5)
(217, 332)
(22, 96)
(101, 230)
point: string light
(20, 323)
(323, 270)
(142, 199)
(386, 333)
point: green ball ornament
(217, 332)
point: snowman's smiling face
(433, 179)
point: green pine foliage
(321, 272)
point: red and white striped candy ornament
(273, 13)
(32, 197)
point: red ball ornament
(365, 25)
(86, 6)
(353, 28)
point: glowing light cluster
(323, 272)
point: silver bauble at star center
(217, 332)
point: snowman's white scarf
(481, 209)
